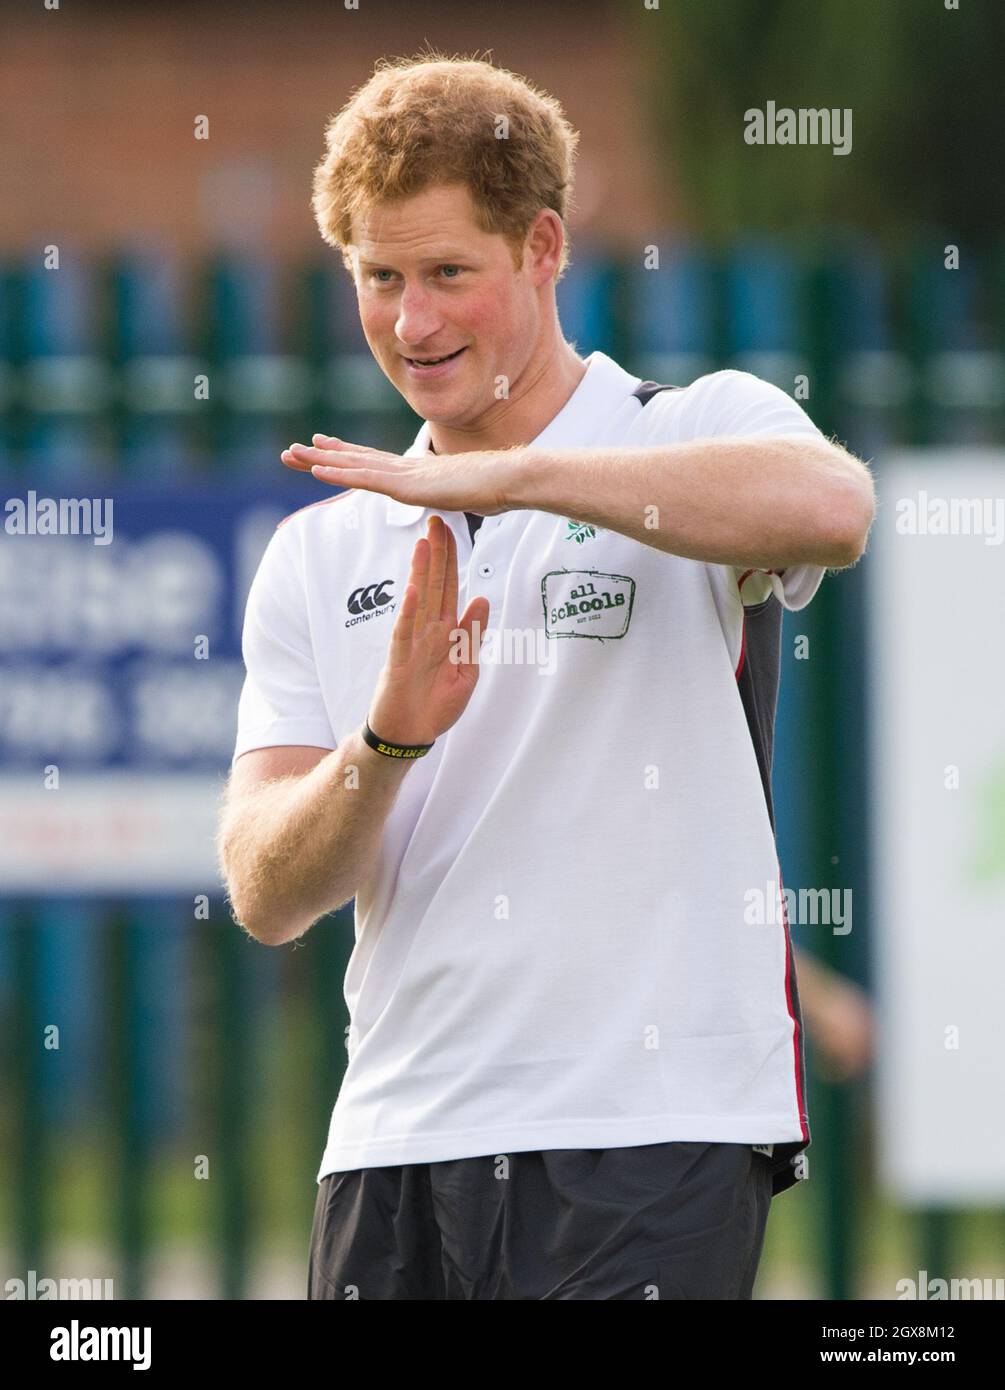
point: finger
(308, 453)
(349, 475)
(474, 623)
(400, 648)
(438, 534)
(420, 578)
(292, 461)
(448, 607)
(408, 618)
(332, 443)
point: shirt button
(485, 570)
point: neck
(534, 400)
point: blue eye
(375, 274)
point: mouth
(432, 366)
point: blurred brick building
(99, 105)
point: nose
(417, 319)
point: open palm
(432, 661)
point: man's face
(429, 282)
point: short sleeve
(733, 403)
(281, 700)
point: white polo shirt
(557, 946)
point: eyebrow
(441, 258)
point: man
(575, 1064)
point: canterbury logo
(371, 596)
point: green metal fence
(101, 380)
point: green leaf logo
(580, 531)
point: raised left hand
(474, 482)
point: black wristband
(393, 750)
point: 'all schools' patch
(587, 603)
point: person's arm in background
(838, 1018)
(299, 831)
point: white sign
(110, 831)
(936, 673)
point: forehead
(437, 222)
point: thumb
(473, 623)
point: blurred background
(170, 320)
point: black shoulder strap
(645, 390)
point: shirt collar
(602, 389)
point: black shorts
(651, 1221)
